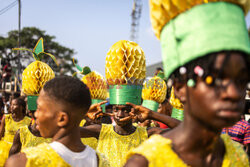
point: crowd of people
(192, 113)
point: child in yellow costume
(33, 79)
(61, 105)
(209, 67)
(10, 124)
(125, 72)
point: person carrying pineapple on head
(125, 73)
(61, 105)
(206, 55)
(33, 79)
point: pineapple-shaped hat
(190, 29)
(36, 74)
(96, 83)
(177, 111)
(125, 71)
(154, 92)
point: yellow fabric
(115, 146)
(90, 141)
(44, 156)
(29, 140)
(158, 151)
(125, 64)
(97, 85)
(162, 11)
(11, 127)
(34, 76)
(154, 89)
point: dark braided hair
(207, 64)
(69, 90)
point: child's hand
(139, 112)
(95, 110)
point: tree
(29, 37)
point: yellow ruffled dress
(11, 127)
(90, 141)
(43, 155)
(29, 140)
(115, 146)
(158, 151)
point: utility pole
(136, 14)
(19, 43)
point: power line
(5, 9)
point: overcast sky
(90, 27)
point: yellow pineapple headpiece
(125, 71)
(96, 83)
(154, 92)
(36, 74)
(177, 111)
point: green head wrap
(204, 29)
(120, 94)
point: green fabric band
(177, 114)
(31, 100)
(120, 94)
(94, 101)
(202, 30)
(150, 104)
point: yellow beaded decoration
(162, 11)
(154, 89)
(125, 64)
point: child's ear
(63, 119)
(180, 90)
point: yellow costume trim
(162, 11)
(158, 151)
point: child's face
(15, 108)
(46, 115)
(121, 111)
(220, 105)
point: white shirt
(86, 158)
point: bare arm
(16, 160)
(90, 131)
(137, 161)
(2, 128)
(169, 121)
(17, 145)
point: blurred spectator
(158, 69)
(6, 102)
(6, 73)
